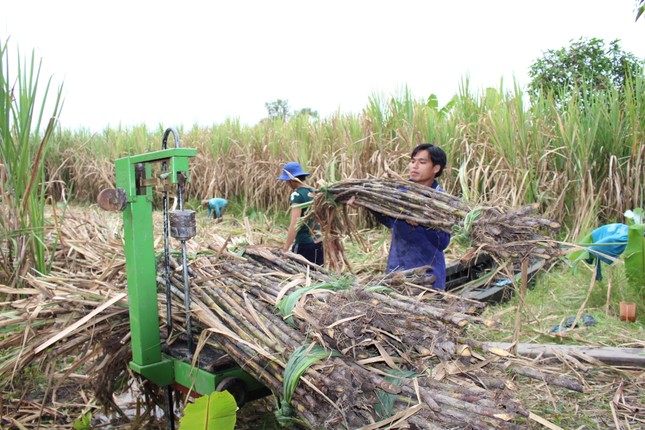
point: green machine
(165, 360)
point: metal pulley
(112, 199)
(182, 224)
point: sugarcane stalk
(556, 380)
(339, 381)
(235, 294)
(489, 228)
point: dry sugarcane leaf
(499, 351)
(294, 283)
(544, 422)
(80, 322)
(395, 420)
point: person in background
(216, 207)
(306, 240)
(417, 246)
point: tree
(640, 8)
(586, 65)
(306, 111)
(278, 109)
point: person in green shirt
(306, 240)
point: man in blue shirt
(215, 207)
(417, 246)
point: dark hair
(437, 155)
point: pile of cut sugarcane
(369, 357)
(367, 354)
(508, 233)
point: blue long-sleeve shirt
(216, 206)
(418, 246)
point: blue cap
(292, 170)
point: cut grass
(559, 294)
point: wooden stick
(518, 314)
(608, 355)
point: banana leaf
(635, 250)
(213, 412)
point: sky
(186, 63)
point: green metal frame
(204, 382)
(141, 271)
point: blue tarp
(609, 241)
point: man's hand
(352, 202)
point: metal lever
(164, 168)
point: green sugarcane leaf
(385, 406)
(378, 289)
(84, 422)
(583, 253)
(286, 305)
(299, 361)
(634, 256)
(213, 412)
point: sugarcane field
(278, 276)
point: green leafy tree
(586, 65)
(640, 8)
(278, 109)
(307, 111)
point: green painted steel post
(142, 284)
(141, 272)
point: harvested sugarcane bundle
(236, 302)
(501, 232)
(455, 310)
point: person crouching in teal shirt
(307, 240)
(215, 207)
